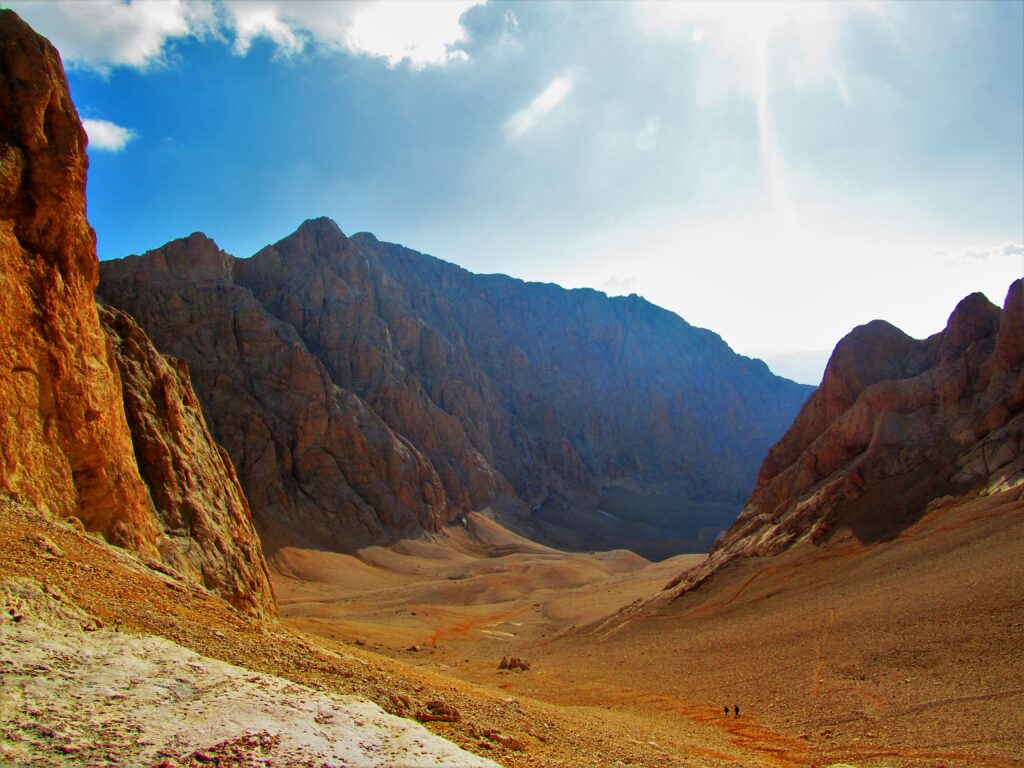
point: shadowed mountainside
(366, 391)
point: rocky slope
(318, 465)
(67, 445)
(898, 424)
(198, 503)
(366, 391)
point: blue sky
(778, 172)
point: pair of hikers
(735, 709)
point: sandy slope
(904, 653)
(907, 653)
(511, 729)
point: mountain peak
(320, 225)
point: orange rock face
(896, 424)
(65, 440)
(200, 508)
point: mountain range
(368, 392)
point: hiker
(736, 709)
(726, 708)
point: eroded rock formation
(365, 391)
(65, 443)
(897, 424)
(64, 437)
(318, 465)
(199, 504)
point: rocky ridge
(198, 503)
(582, 420)
(68, 446)
(898, 426)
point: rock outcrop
(66, 443)
(366, 391)
(199, 505)
(896, 425)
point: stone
(367, 392)
(196, 495)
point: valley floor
(905, 654)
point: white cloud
(984, 254)
(551, 97)
(425, 33)
(107, 136)
(105, 34)
(646, 138)
(617, 286)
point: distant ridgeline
(366, 392)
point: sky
(778, 172)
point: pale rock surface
(74, 694)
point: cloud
(106, 34)
(984, 254)
(425, 33)
(107, 136)
(551, 97)
(646, 138)
(618, 286)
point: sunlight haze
(777, 172)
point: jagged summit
(897, 424)
(584, 420)
(195, 258)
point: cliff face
(198, 503)
(64, 437)
(589, 421)
(65, 448)
(897, 424)
(318, 465)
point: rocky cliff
(208, 534)
(319, 466)
(897, 424)
(366, 391)
(67, 446)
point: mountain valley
(341, 503)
